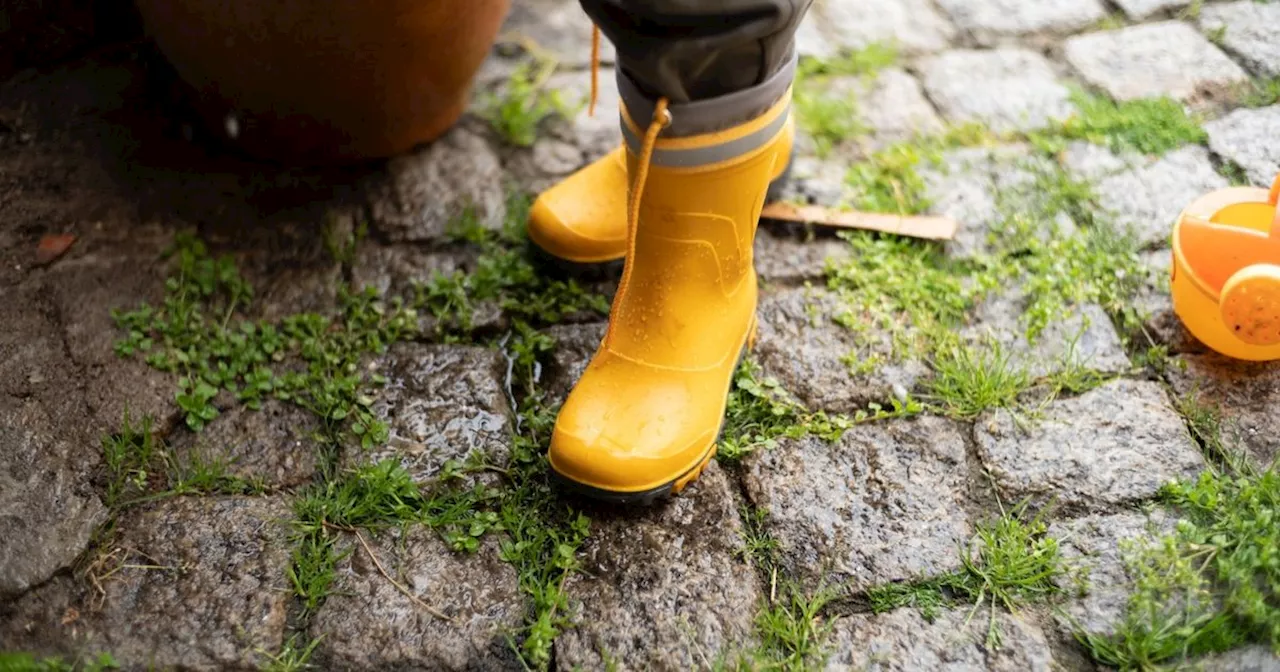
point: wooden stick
(929, 228)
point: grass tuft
(25, 662)
(969, 380)
(1212, 585)
(1149, 125)
(1011, 561)
(524, 103)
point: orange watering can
(1226, 271)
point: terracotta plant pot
(311, 81)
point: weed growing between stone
(293, 656)
(525, 102)
(967, 381)
(314, 361)
(889, 180)
(1147, 126)
(141, 468)
(1011, 561)
(1214, 583)
(831, 119)
(791, 628)
(25, 662)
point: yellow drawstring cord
(595, 69)
(661, 120)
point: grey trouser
(721, 62)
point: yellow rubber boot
(583, 219)
(644, 419)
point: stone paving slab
(1138, 10)
(1095, 548)
(664, 588)
(193, 583)
(48, 509)
(275, 446)
(1246, 395)
(1114, 445)
(576, 344)
(988, 21)
(442, 403)
(914, 25)
(903, 641)
(1085, 337)
(1089, 162)
(368, 623)
(1006, 89)
(559, 27)
(424, 191)
(1250, 139)
(1242, 27)
(1147, 200)
(892, 106)
(1151, 60)
(801, 346)
(1247, 659)
(888, 502)
(791, 258)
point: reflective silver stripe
(702, 156)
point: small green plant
(865, 62)
(1011, 561)
(1212, 585)
(1148, 125)
(518, 111)
(131, 456)
(792, 630)
(1205, 422)
(1261, 92)
(760, 412)
(293, 656)
(829, 119)
(889, 180)
(968, 380)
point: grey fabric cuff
(713, 114)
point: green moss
(1211, 586)
(1261, 93)
(1149, 125)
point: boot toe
(631, 433)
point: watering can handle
(1273, 199)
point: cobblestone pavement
(903, 399)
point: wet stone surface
(888, 502)
(1251, 139)
(48, 509)
(575, 346)
(368, 623)
(442, 403)
(1244, 393)
(989, 20)
(1158, 59)
(1116, 444)
(275, 446)
(1006, 89)
(422, 192)
(1147, 200)
(665, 587)
(1096, 548)
(1247, 659)
(801, 346)
(903, 641)
(197, 583)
